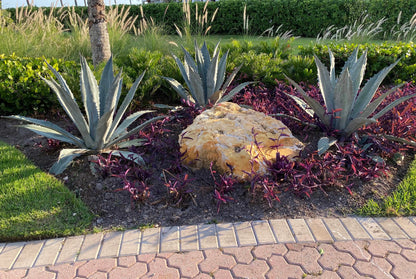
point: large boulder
(228, 134)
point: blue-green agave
(347, 108)
(205, 77)
(100, 131)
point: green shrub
(378, 57)
(21, 89)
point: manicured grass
(33, 204)
(401, 202)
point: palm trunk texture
(100, 42)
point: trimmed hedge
(305, 18)
(22, 91)
(378, 57)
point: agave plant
(101, 130)
(205, 77)
(347, 108)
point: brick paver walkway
(293, 248)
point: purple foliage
(178, 187)
(223, 186)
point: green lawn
(34, 204)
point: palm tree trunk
(100, 42)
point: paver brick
(357, 249)
(70, 249)
(263, 232)
(331, 259)
(37, 273)
(326, 274)
(337, 229)
(347, 272)
(407, 225)
(226, 235)
(93, 266)
(187, 262)
(355, 229)
(223, 274)
(371, 226)
(135, 271)
(410, 255)
(381, 248)
(169, 239)
(91, 246)
(241, 255)
(130, 243)
(111, 244)
(391, 228)
(376, 268)
(67, 270)
(28, 254)
(12, 273)
(245, 234)
(98, 275)
(49, 252)
(306, 258)
(266, 251)
(150, 241)
(207, 236)
(406, 243)
(215, 260)
(300, 230)
(281, 230)
(126, 261)
(255, 269)
(281, 269)
(188, 238)
(319, 230)
(159, 269)
(401, 267)
(10, 253)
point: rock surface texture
(227, 135)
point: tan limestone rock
(226, 134)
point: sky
(47, 3)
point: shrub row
(23, 92)
(305, 18)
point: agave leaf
(178, 88)
(205, 63)
(211, 80)
(135, 130)
(49, 125)
(189, 60)
(130, 156)
(234, 91)
(102, 129)
(302, 104)
(105, 86)
(65, 158)
(374, 105)
(343, 99)
(197, 86)
(324, 81)
(61, 80)
(315, 106)
(113, 95)
(324, 144)
(126, 102)
(392, 105)
(52, 134)
(90, 96)
(369, 89)
(357, 123)
(221, 71)
(127, 122)
(135, 142)
(332, 76)
(184, 69)
(352, 59)
(71, 108)
(231, 78)
(357, 73)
